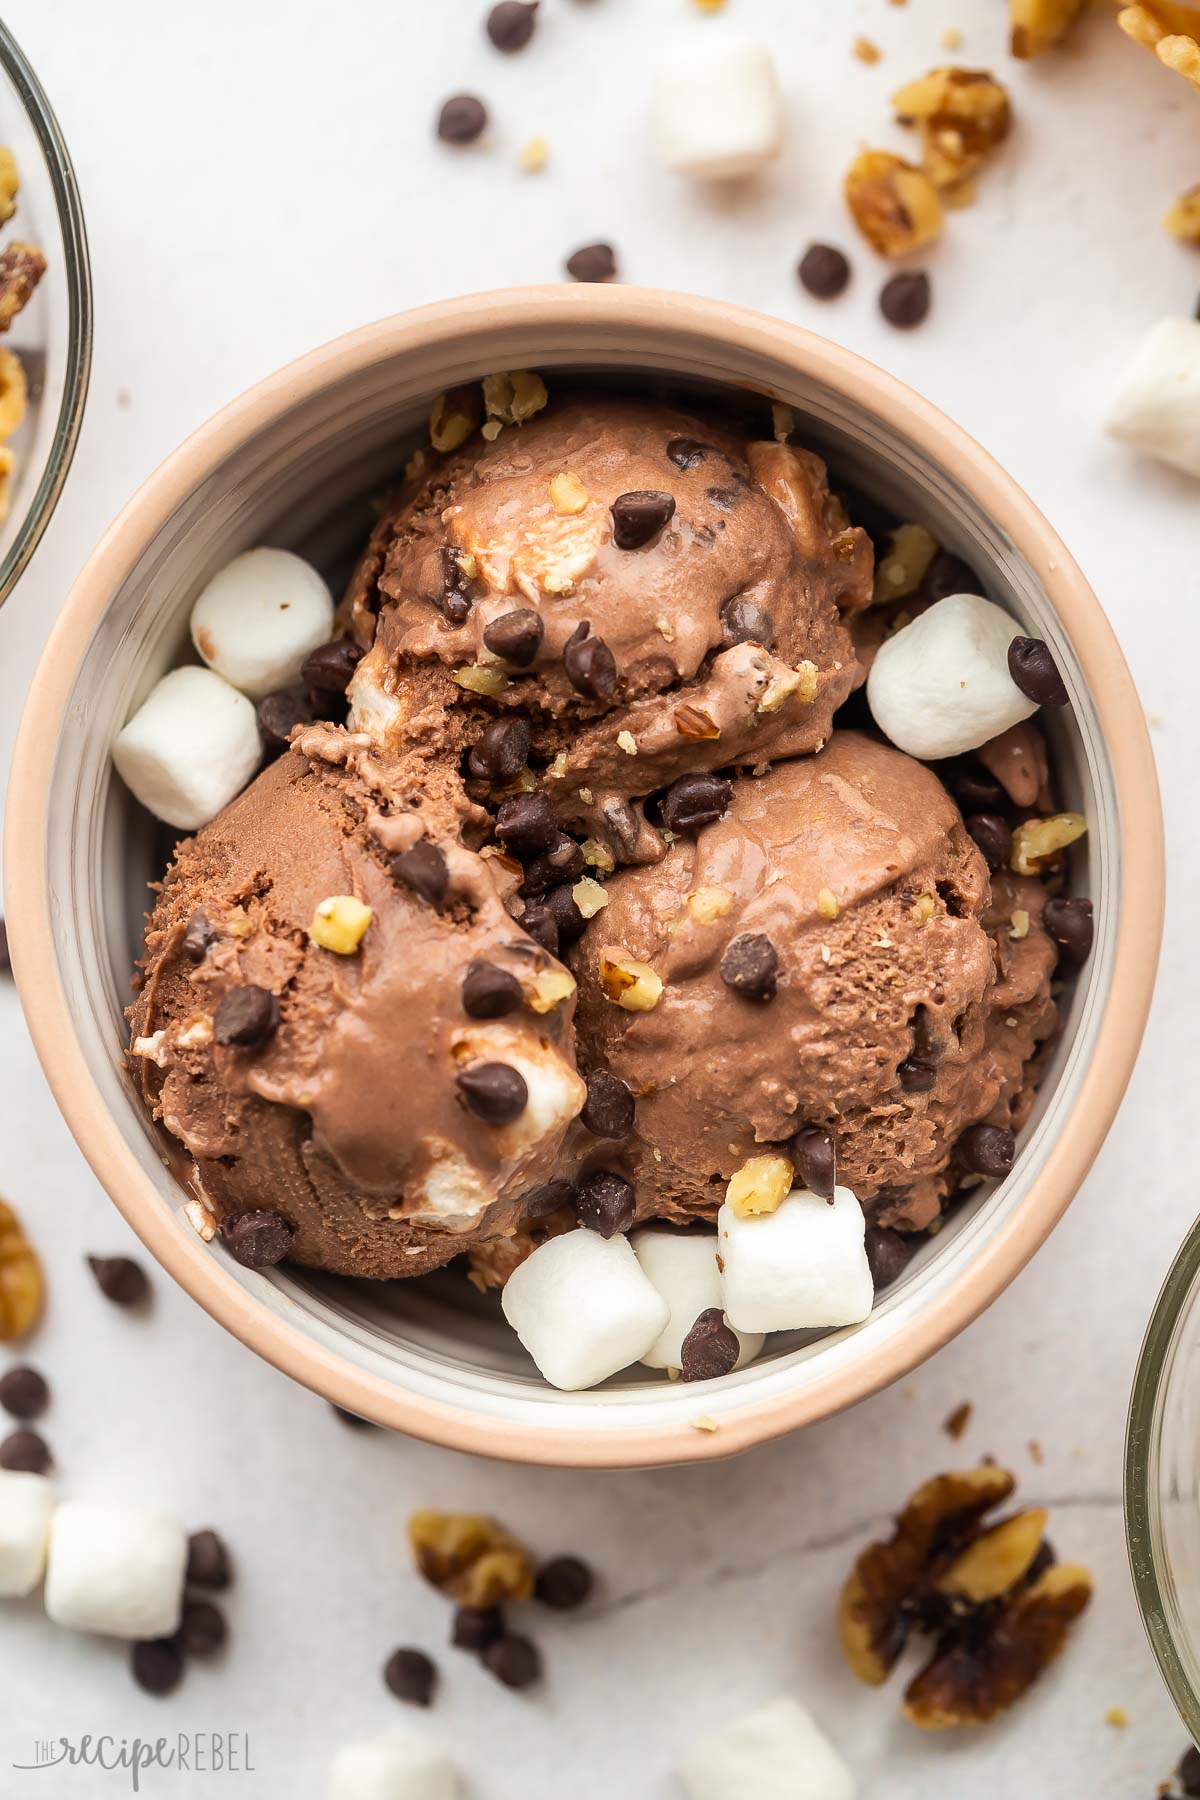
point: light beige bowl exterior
(649, 336)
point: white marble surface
(254, 188)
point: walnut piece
(905, 564)
(627, 982)
(694, 723)
(339, 924)
(1183, 220)
(470, 1558)
(514, 396)
(454, 417)
(893, 203)
(962, 114)
(1037, 841)
(21, 1287)
(761, 1185)
(14, 393)
(1169, 29)
(21, 268)
(1037, 25)
(9, 185)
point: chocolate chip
(904, 300)
(639, 516)
(1034, 670)
(474, 1628)
(26, 1451)
(514, 1661)
(824, 271)
(208, 1564)
(119, 1279)
(424, 870)
(744, 623)
(453, 595)
(23, 1392)
(462, 118)
(5, 959)
(594, 262)
(815, 1157)
(516, 636)
(510, 24)
(157, 1665)
(750, 966)
(495, 1092)
(567, 916)
(608, 1111)
(563, 861)
(526, 824)
(563, 1583)
(411, 1676)
(987, 1149)
(976, 791)
(502, 750)
(246, 1016)
(202, 1628)
(993, 836)
(1189, 1764)
(589, 663)
(710, 1348)
(198, 936)
(695, 801)
(948, 574)
(916, 1077)
(539, 921)
(258, 1240)
(688, 453)
(723, 497)
(888, 1254)
(604, 1202)
(277, 713)
(330, 666)
(489, 992)
(623, 822)
(1070, 924)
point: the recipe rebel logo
(187, 1753)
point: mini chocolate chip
(563, 861)
(539, 921)
(750, 966)
(474, 1628)
(502, 750)
(208, 1564)
(815, 1157)
(1034, 670)
(330, 666)
(710, 1348)
(453, 595)
(462, 118)
(424, 870)
(26, 1451)
(904, 300)
(888, 1254)
(119, 1279)
(987, 1149)
(916, 1077)
(278, 712)
(516, 636)
(489, 992)
(1189, 1764)
(258, 1240)
(1070, 923)
(246, 1016)
(608, 1111)
(639, 516)
(5, 959)
(202, 1628)
(494, 1091)
(198, 936)
(977, 791)
(23, 1392)
(411, 1676)
(510, 24)
(604, 1202)
(526, 824)
(688, 453)
(567, 916)
(824, 271)
(695, 801)
(563, 1583)
(949, 574)
(993, 836)
(593, 262)
(157, 1665)
(513, 1660)
(744, 623)
(589, 663)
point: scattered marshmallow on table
(583, 1308)
(398, 1765)
(259, 617)
(941, 685)
(114, 1569)
(719, 110)
(800, 1267)
(682, 1265)
(190, 748)
(26, 1503)
(776, 1752)
(1156, 408)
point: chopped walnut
(961, 114)
(21, 268)
(469, 1558)
(21, 1287)
(627, 982)
(1183, 220)
(923, 908)
(567, 493)
(589, 897)
(547, 990)
(454, 416)
(1169, 29)
(894, 204)
(339, 924)
(1038, 841)
(867, 50)
(827, 903)
(1037, 25)
(707, 904)
(482, 678)
(760, 1186)
(514, 397)
(9, 185)
(905, 564)
(694, 723)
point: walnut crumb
(866, 51)
(827, 903)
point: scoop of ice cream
(829, 954)
(410, 1091)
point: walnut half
(470, 1558)
(894, 204)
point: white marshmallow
(259, 617)
(26, 1503)
(397, 1765)
(115, 1569)
(683, 1267)
(190, 748)
(719, 111)
(372, 708)
(776, 1752)
(583, 1308)
(802, 1266)
(1156, 408)
(941, 685)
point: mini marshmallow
(190, 748)
(117, 1570)
(583, 1308)
(777, 1752)
(259, 617)
(398, 1765)
(941, 685)
(719, 111)
(802, 1266)
(1156, 408)
(26, 1503)
(683, 1268)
